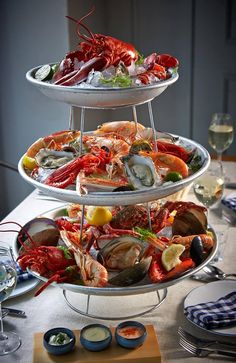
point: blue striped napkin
(214, 314)
(22, 275)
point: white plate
(127, 197)
(24, 287)
(211, 292)
(100, 97)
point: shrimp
(207, 241)
(167, 161)
(126, 130)
(92, 272)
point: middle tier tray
(125, 197)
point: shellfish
(140, 171)
(121, 252)
(52, 159)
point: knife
(230, 185)
(14, 312)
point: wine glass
(220, 133)
(9, 341)
(208, 189)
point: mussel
(139, 145)
(131, 275)
(140, 171)
(52, 159)
(197, 250)
(121, 252)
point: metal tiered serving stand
(104, 98)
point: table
(50, 309)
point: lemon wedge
(29, 163)
(98, 216)
(170, 256)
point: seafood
(168, 162)
(97, 52)
(126, 130)
(121, 252)
(92, 272)
(54, 141)
(66, 174)
(52, 159)
(131, 275)
(186, 241)
(189, 221)
(197, 250)
(140, 171)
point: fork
(203, 348)
(203, 352)
(204, 343)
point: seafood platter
(117, 165)
(115, 251)
(116, 237)
(104, 72)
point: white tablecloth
(50, 309)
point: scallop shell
(141, 171)
(52, 159)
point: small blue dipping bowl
(58, 349)
(95, 337)
(125, 339)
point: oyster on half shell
(52, 159)
(141, 171)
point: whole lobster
(97, 51)
(55, 263)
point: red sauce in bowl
(130, 332)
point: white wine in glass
(210, 186)
(220, 133)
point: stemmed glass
(208, 189)
(9, 341)
(220, 133)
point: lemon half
(170, 256)
(98, 216)
(29, 163)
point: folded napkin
(230, 201)
(214, 314)
(22, 275)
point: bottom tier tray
(145, 286)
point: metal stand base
(161, 296)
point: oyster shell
(140, 171)
(121, 252)
(52, 159)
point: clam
(51, 159)
(140, 171)
(42, 230)
(121, 252)
(131, 275)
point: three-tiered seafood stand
(112, 98)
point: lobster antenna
(19, 239)
(80, 23)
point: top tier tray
(100, 98)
